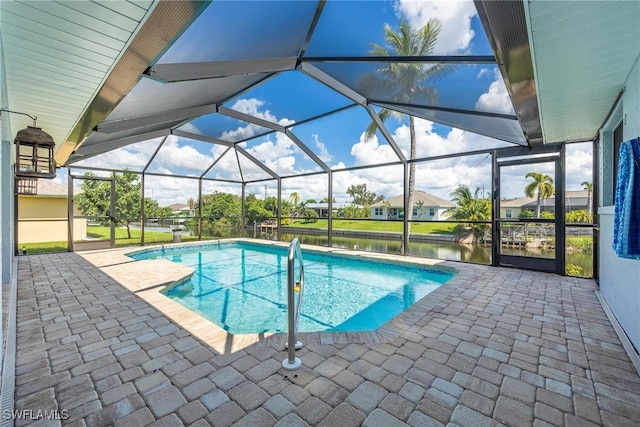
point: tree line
(219, 209)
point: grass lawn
(99, 232)
(373, 225)
(122, 239)
(43, 247)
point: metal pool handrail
(293, 310)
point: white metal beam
(153, 119)
(87, 151)
(307, 151)
(170, 73)
(334, 84)
(251, 119)
(386, 133)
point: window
(617, 140)
(377, 211)
(508, 213)
(432, 212)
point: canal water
(479, 254)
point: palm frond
(439, 71)
(428, 36)
(370, 130)
(383, 115)
(378, 87)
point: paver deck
(492, 347)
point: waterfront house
(426, 207)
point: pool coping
(163, 274)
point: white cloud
(436, 177)
(252, 106)
(483, 72)
(272, 150)
(175, 156)
(323, 153)
(209, 187)
(226, 167)
(161, 170)
(367, 152)
(242, 132)
(429, 143)
(497, 98)
(167, 190)
(454, 15)
(279, 155)
(579, 165)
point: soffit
(58, 54)
(583, 52)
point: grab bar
(293, 309)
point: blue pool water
(242, 287)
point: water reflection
(478, 254)
(445, 250)
(439, 250)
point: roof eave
(165, 23)
(506, 27)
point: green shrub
(310, 215)
(573, 270)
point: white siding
(620, 277)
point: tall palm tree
(586, 185)
(405, 82)
(542, 186)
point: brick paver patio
(492, 347)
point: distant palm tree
(294, 204)
(294, 198)
(405, 82)
(589, 187)
(541, 186)
(470, 206)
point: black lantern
(34, 153)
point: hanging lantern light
(34, 151)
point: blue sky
(239, 30)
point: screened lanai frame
(211, 79)
(494, 154)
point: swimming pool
(242, 287)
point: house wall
(440, 213)
(515, 212)
(383, 215)
(46, 220)
(619, 277)
(6, 180)
(6, 196)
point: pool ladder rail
(293, 307)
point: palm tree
(542, 186)
(586, 185)
(470, 207)
(294, 198)
(405, 82)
